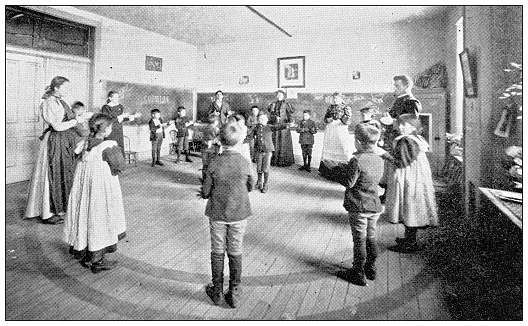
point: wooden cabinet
(434, 111)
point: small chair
(173, 146)
(190, 139)
(130, 156)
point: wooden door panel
(12, 87)
(434, 102)
(28, 148)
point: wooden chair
(130, 156)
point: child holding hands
(264, 148)
(182, 124)
(410, 195)
(227, 182)
(157, 133)
(363, 173)
(95, 219)
(306, 130)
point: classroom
(279, 162)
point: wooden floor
(297, 240)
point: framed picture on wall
(468, 73)
(290, 72)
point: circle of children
(94, 225)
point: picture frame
(468, 74)
(291, 72)
(153, 63)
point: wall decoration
(469, 74)
(153, 63)
(244, 80)
(356, 75)
(290, 72)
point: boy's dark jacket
(363, 174)
(153, 129)
(227, 182)
(263, 137)
(306, 131)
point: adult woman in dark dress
(281, 112)
(405, 103)
(114, 109)
(219, 107)
(55, 166)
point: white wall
(120, 52)
(378, 52)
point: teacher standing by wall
(114, 109)
(219, 107)
(405, 103)
(281, 112)
(55, 166)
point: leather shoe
(103, 265)
(159, 163)
(55, 219)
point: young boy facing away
(262, 134)
(182, 123)
(306, 130)
(157, 133)
(227, 182)
(364, 172)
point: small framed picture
(244, 80)
(290, 72)
(356, 75)
(153, 63)
(469, 74)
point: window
(459, 96)
(30, 29)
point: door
(78, 74)
(434, 109)
(27, 76)
(24, 87)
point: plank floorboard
(296, 241)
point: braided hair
(99, 122)
(57, 81)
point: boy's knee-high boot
(232, 296)
(265, 185)
(259, 182)
(154, 158)
(309, 163)
(187, 153)
(372, 254)
(178, 153)
(215, 291)
(303, 167)
(357, 274)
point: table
(511, 209)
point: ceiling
(201, 25)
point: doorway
(27, 75)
